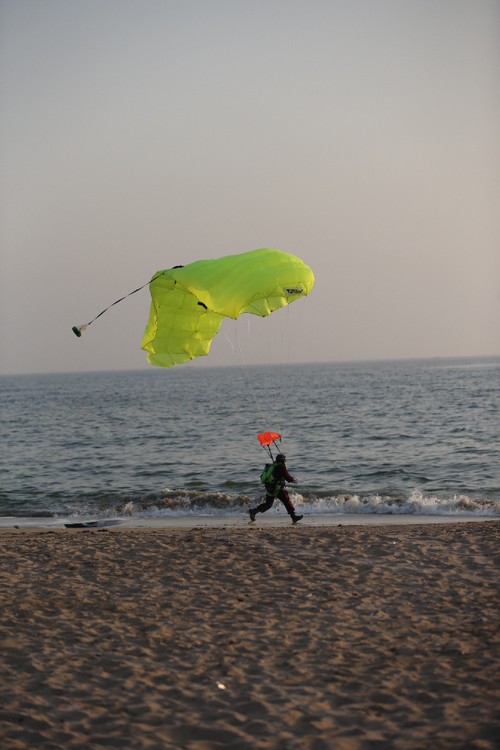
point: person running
(275, 488)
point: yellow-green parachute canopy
(189, 302)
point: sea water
(393, 437)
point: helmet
(280, 458)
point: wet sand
(344, 637)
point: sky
(361, 135)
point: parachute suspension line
(243, 365)
(284, 329)
(78, 330)
(268, 449)
(282, 337)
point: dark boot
(296, 518)
(252, 512)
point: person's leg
(268, 503)
(290, 508)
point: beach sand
(342, 637)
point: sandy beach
(340, 637)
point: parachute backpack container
(188, 303)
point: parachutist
(275, 476)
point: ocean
(392, 437)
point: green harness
(269, 480)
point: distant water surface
(381, 437)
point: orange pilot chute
(266, 439)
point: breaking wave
(197, 502)
(202, 502)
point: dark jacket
(280, 476)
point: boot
(296, 518)
(252, 514)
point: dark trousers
(269, 501)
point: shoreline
(234, 521)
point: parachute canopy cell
(188, 303)
(266, 438)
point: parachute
(266, 438)
(188, 303)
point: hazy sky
(361, 135)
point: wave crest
(191, 502)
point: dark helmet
(280, 458)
